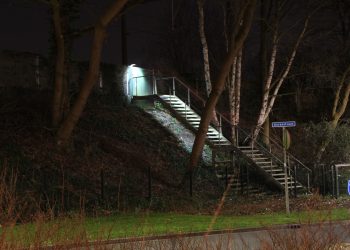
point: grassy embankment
(79, 229)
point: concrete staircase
(214, 137)
(270, 166)
(224, 165)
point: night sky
(25, 26)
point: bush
(313, 135)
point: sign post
(286, 143)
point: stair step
(213, 132)
(223, 176)
(263, 162)
(218, 136)
(251, 151)
(259, 158)
(282, 179)
(277, 174)
(271, 167)
(217, 139)
(192, 116)
(291, 185)
(272, 170)
(179, 104)
(224, 161)
(222, 143)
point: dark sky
(24, 26)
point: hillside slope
(121, 144)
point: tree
(342, 92)
(64, 13)
(206, 63)
(58, 94)
(234, 79)
(100, 27)
(242, 27)
(265, 15)
(272, 84)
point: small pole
(286, 194)
(173, 85)
(226, 177)
(190, 175)
(333, 192)
(220, 127)
(149, 183)
(295, 181)
(189, 98)
(136, 85)
(336, 181)
(102, 185)
(323, 181)
(240, 175)
(247, 171)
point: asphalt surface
(314, 236)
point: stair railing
(193, 99)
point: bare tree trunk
(247, 16)
(264, 16)
(69, 123)
(271, 89)
(232, 97)
(207, 78)
(204, 43)
(238, 87)
(266, 91)
(234, 88)
(339, 106)
(58, 94)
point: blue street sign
(349, 187)
(284, 124)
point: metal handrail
(184, 85)
(291, 169)
(263, 147)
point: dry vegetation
(40, 184)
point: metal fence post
(102, 179)
(174, 86)
(136, 85)
(149, 183)
(191, 183)
(189, 98)
(220, 127)
(295, 181)
(333, 181)
(337, 181)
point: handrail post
(173, 85)
(288, 164)
(136, 85)
(220, 127)
(188, 97)
(155, 89)
(333, 181)
(336, 182)
(295, 181)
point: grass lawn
(83, 229)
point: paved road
(317, 236)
